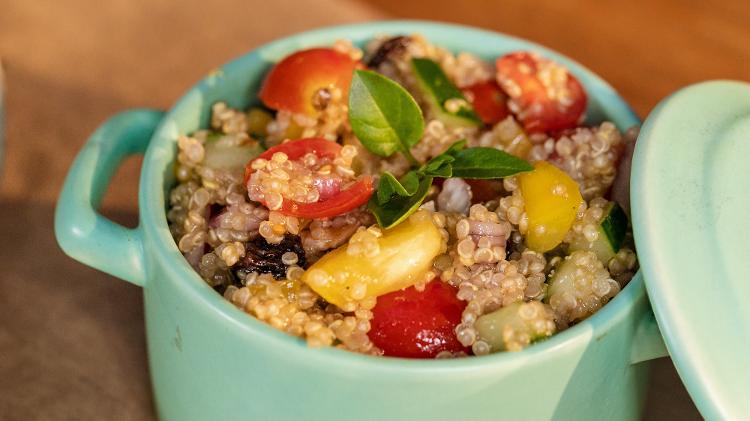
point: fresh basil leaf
(410, 182)
(383, 115)
(388, 186)
(437, 89)
(439, 166)
(454, 148)
(398, 207)
(487, 163)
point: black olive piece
(393, 45)
(262, 257)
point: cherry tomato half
(333, 201)
(296, 149)
(353, 197)
(413, 324)
(543, 94)
(292, 83)
(488, 100)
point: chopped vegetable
(488, 100)
(224, 152)
(511, 137)
(551, 199)
(543, 94)
(418, 324)
(614, 225)
(296, 149)
(445, 100)
(514, 327)
(579, 286)
(293, 82)
(353, 197)
(608, 237)
(332, 201)
(399, 258)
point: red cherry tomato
(414, 324)
(292, 83)
(333, 201)
(488, 100)
(543, 94)
(296, 149)
(353, 197)
(327, 186)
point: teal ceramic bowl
(209, 360)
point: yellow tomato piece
(356, 271)
(551, 200)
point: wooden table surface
(71, 338)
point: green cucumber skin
(615, 226)
(612, 230)
(437, 89)
(228, 158)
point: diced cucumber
(579, 286)
(515, 326)
(612, 230)
(614, 225)
(436, 89)
(224, 153)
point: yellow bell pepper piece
(398, 258)
(551, 200)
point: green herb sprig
(437, 90)
(386, 119)
(383, 115)
(396, 199)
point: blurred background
(71, 338)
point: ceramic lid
(690, 198)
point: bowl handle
(82, 232)
(648, 343)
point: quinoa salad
(405, 200)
